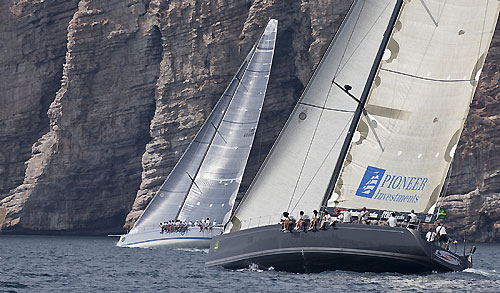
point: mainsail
(296, 173)
(206, 179)
(379, 121)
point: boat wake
(485, 273)
(254, 268)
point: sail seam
(234, 122)
(326, 108)
(258, 71)
(426, 78)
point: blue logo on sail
(370, 181)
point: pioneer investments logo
(378, 184)
(370, 181)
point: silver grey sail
(205, 181)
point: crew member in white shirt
(392, 221)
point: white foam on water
(204, 250)
(486, 273)
(251, 268)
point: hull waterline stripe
(163, 239)
(392, 255)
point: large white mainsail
(298, 169)
(417, 107)
(206, 179)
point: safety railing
(375, 218)
(157, 228)
(260, 221)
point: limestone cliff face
(33, 49)
(89, 157)
(129, 82)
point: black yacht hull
(351, 247)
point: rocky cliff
(100, 98)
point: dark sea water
(93, 264)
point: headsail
(220, 176)
(414, 115)
(206, 179)
(296, 173)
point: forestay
(416, 110)
(296, 173)
(205, 181)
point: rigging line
(362, 39)
(346, 91)
(441, 9)
(446, 183)
(194, 182)
(429, 12)
(425, 78)
(218, 132)
(309, 148)
(348, 41)
(240, 83)
(369, 120)
(321, 166)
(326, 108)
(482, 32)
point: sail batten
(190, 185)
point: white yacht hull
(192, 238)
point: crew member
(392, 221)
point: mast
(362, 102)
